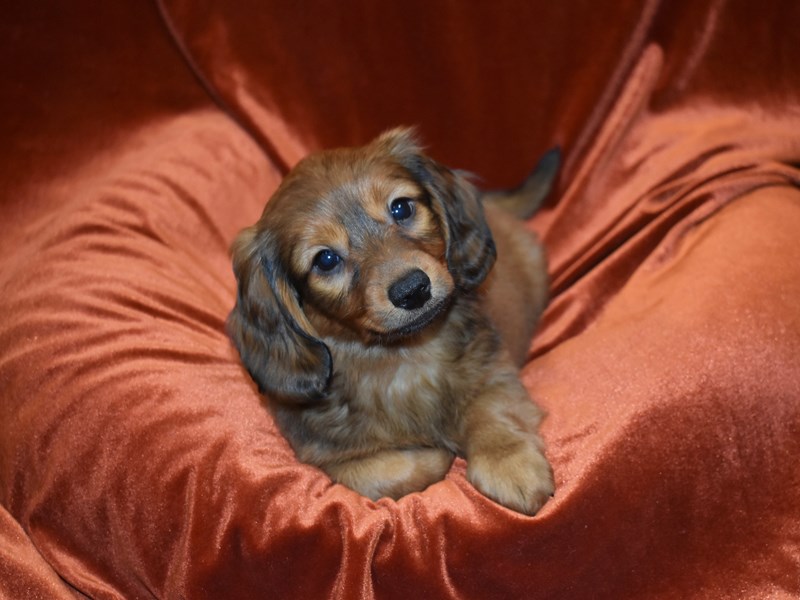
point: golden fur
(371, 311)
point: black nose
(411, 291)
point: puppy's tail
(524, 200)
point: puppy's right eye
(401, 209)
(326, 260)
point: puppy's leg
(392, 473)
(505, 457)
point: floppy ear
(274, 338)
(470, 249)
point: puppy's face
(367, 243)
(368, 253)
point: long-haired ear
(274, 338)
(470, 249)
(400, 142)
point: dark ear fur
(470, 249)
(268, 327)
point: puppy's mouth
(415, 303)
(411, 303)
(427, 315)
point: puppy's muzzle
(411, 291)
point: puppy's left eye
(327, 260)
(402, 209)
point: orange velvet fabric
(137, 459)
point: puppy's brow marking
(383, 369)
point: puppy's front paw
(393, 473)
(519, 478)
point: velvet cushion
(137, 459)
(24, 573)
(523, 75)
(326, 74)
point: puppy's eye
(326, 260)
(401, 209)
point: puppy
(373, 314)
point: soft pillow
(139, 461)
(139, 458)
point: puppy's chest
(399, 395)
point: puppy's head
(364, 245)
